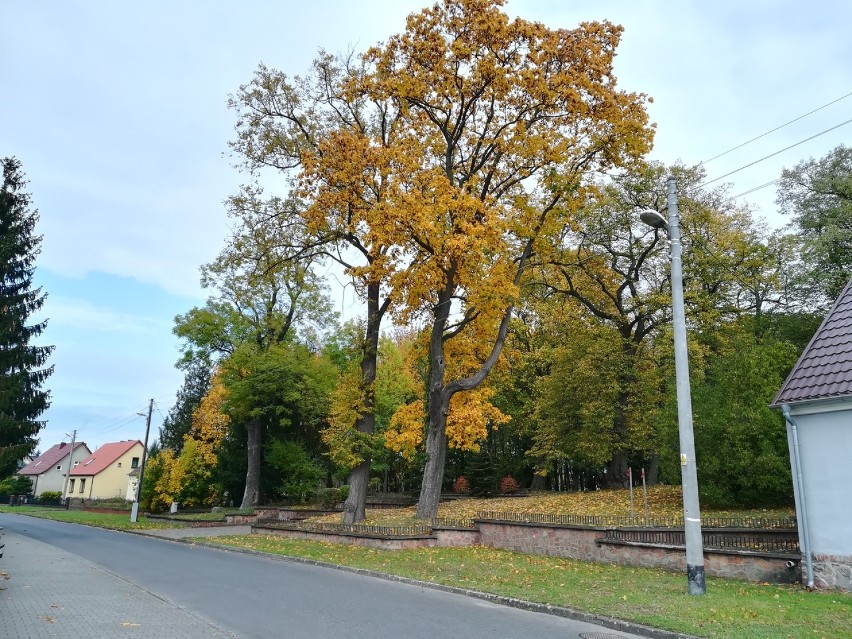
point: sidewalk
(47, 593)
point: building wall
(110, 483)
(52, 479)
(825, 446)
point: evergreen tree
(177, 423)
(22, 369)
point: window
(134, 463)
(71, 490)
(59, 467)
(119, 464)
(82, 484)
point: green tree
(740, 443)
(333, 144)
(178, 421)
(284, 392)
(817, 194)
(264, 290)
(16, 485)
(22, 364)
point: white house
(49, 469)
(816, 400)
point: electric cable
(771, 155)
(777, 128)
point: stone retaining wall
(833, 571)
(587, 543)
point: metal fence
(710, 539)
(444, 522)
(758, 523)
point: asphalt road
(266, 598)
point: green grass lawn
(102, 520)
(731, 609)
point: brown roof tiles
(824, 371)
(52, 457)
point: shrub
(330, 497)
(509, 485)
(300, 473)
(49, 497)
(344, 492)
(16, 485)
(461, 485)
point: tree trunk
(354, 509)
(436, 455)
(617, 470)
(653, 474)
(251, 496)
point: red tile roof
(824, 371)
(103, 457)
(51, 457)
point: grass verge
(101, 520)
(731, 609)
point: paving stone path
(47, 593)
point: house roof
(824, 371)
(103, 457)
(50, 458)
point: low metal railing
(710, 539)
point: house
(48, 470)
(816, 400)
(103, 474)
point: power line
(777, 128)
(771, 155)
(756, 188)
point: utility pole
(134, 512)
(688, 471)
(73, 437)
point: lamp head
(653, 219)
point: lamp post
(688, 471)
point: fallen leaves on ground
(663, 501)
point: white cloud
(69, 313)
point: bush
(461, 485)
(16, 485)
(344, 492)
(49, 497)
(330, 497)
(300, 473)
(509, 485)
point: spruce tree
(22, 365)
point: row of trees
(477, 179)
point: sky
(118, 113)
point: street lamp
(688, 472)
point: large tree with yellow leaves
(506, 118)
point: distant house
(816, 400)
(48, 470)
(103, 474)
